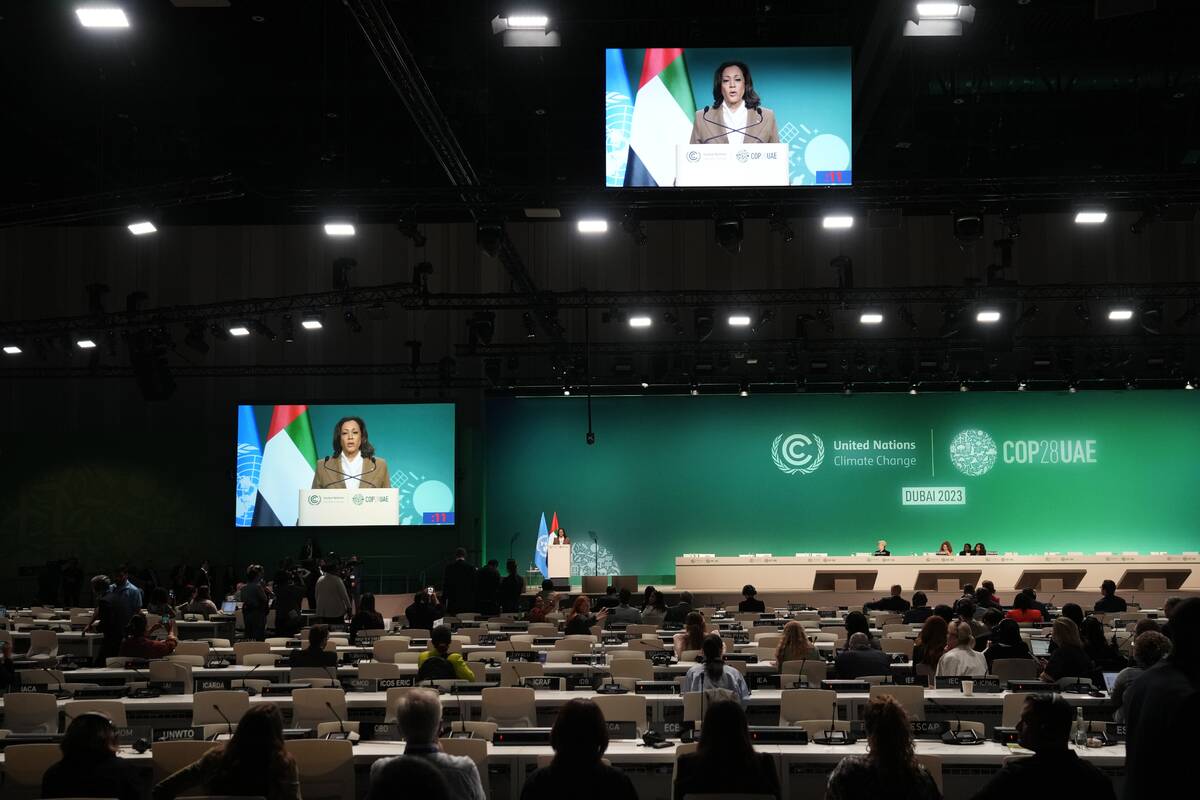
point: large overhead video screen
(727, 116)
(335, 465)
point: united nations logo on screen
(973, 453)
(798, 453)
(693, 155)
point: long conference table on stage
(1044, 572)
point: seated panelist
(881, 548)
(353, 464)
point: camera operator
(426, 608)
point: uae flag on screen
(663, 114)
(289, 462)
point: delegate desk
(803, 769)
(1008, 571)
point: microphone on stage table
(228, 724)
(728, 129)
(344, 475)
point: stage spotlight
(913, 388)
(778, 224)
(1084, 314)
(702, 321)
(695, 389)
(489, 235)
(142, 227)
(645, 383)
(1144, 220)
(195, 338)
(1072, 387)
(765, 317)
(837, 222)
(744, 388)
(870, 318)
(12, 350)
(1021, 386)
(739, 320)
(1190, 385)
(1093, 216)
(481, 328)
(729, 234)
(530, 327)
(1131, 384)
(1120, 314)
(102, 17)
(987, 316)
(312, 322)
(420, 276)
(351, 320)
(566, 390)
(937, 10)
(339, 229)
(968, 227)
(239, 330)
(962, 386)
(906, 316)
(1010, 221)
(640, 321)
(85, 344)
(592, 226)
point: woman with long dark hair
(890, 768)
(367, 617)
(579, 738)
(692, 635)
(714, 673)
(254, 762)
(90, 766)
(655, 609)
(725, 760)
(353, 464)
(1006, 642)
(794, 646)
(930, 644)
(737, 115)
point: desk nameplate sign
(210, 685)
(622, 730)
(530, 656)
(183, 734)
(928, 728)
(383, 684)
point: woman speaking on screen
(736, 115)
(353, 464)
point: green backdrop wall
(1022, 472)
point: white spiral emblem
(790, 453)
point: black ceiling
(287, 100)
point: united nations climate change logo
(798, 453)
(693, 155)
(314, 499)
(973, 453)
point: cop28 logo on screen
(798, 453)
(973, 452)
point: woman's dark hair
(1008, 633)
(1149, 648)
(694, 629)
(944, 611)
(889, 740)
(726, 738)
(1073, 612)
(90, 735)
(137, 626)
(966, 546)
(749, 591)
(714, 657)
(979, 548)
(367, 603)
(920, 600)
(366, 448)
(750, 97)
(439, 637)
(257, 745)
(983, 597)
(1022, 602)
(856, 622)
(966, 609)
(946, 546)
(1093, 632)
(933, 640)
(579, 736)
(408, 776)
(655, 599)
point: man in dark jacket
(679, 611)
(487, 589)
(458, 584)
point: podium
(558, 561)
(731, 165)
(349, 507)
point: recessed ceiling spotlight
(102, 17)
(1090, 217)
(592, 226)
(142, 227)
(239, 330)
(339, 229)
(13, 350)
(987, 316)
(1120, 314)
(871, 318)
(641, 321)
(85, 344)
(739, 320)
(837, 221)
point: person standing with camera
(425, 610)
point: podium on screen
(349, 507)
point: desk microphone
(832, 735)
(348, 736)
(728, 129)
(956, 736)
(228, 724)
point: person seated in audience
(967, 550)
(859, 659)
(983, 602)
(979, 550)
(750, 602)
(160, 614)
(90, 766)
(8, 670)
(1160, 709)
(1169, 606)
(965, 611)
(201, 603)
(930, 645)
(1073, 612)
(138, 645)
(579, 738)
(1069, 660)
(856, 622)
(654, 610)
(1148, 649)
(1006, 642)
(425, 610)
(944, 611)
(407, 776)
(725, 761)
(1054, 769)
(692, 636)
(881, 548)
(893, 602)
(678, 612)
(794, 645)
(254, 762)
(1034, 603)
(991, 618)
(438, 663)
(714, 673)
(419, 716)
(920, 610)
(610, 600)
(624, 613)
(537, 612)
(1023, 610)
(315, 655)
(1109, 602)
(1104, 653)
(366, 619)
(993, 600)
(581, 620)
(961, 659)
(946, 549)
(890, 767)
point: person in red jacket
(138, 645)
